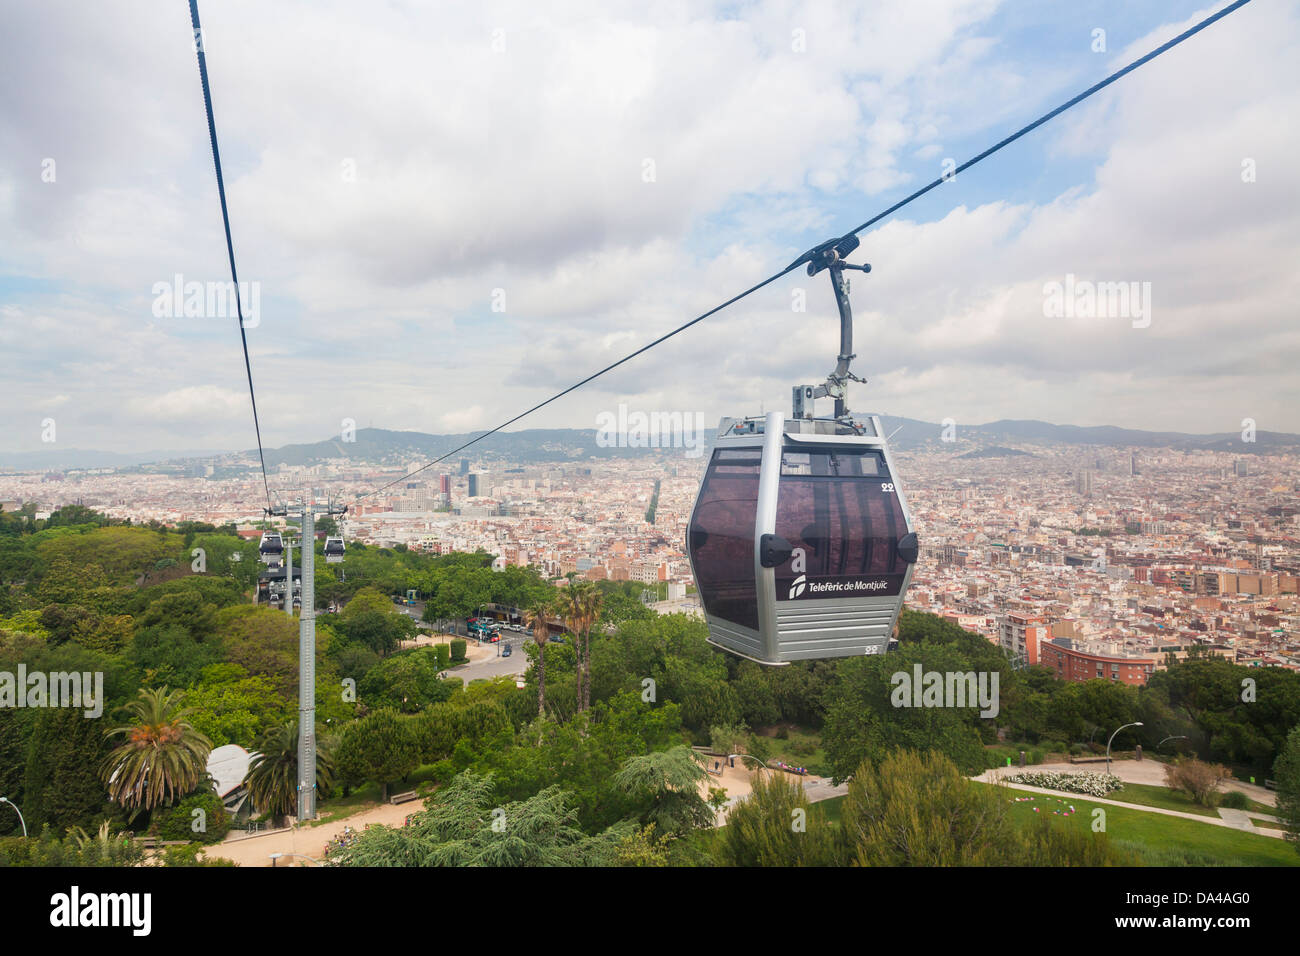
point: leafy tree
(122, 554)
(163, 756)
(61, 787)
(408, 681)
(1286, 771)
(365, 600)
(754, 695)
(15, 733)
(670, 780)
(354, 660)
(168, 654)
(64, 582)
(380, 747)
(187, 610)
(381, 631)
(232, 706)
(263, 642)
(863, 722)
(468, 827)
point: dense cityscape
(1095, 561)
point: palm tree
(536, 619)
(570, 606)
(163, 756)
(591, 600)
(580, 607)
(273, 773)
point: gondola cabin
(271, 549)
(801, 541)
(334, 549)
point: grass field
(1149, 795)
(1154, 839)
(801, 748)
(1161, 840)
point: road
(492, 665)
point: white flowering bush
(1088, 782)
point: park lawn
(1150, 795)
(1161, 840)
(832, 808)
(801, 748)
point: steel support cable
(230, 247)
(1073, 101)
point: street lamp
(1175, 737)
(1136, 723)
(751, 757)
(17, 811)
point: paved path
(993, 776)
(738, 783)
(1239, 819)
(307, 841)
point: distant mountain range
(914, 434)
(995, 451)
(385, 446)
(67, 459)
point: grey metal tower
(307, 654)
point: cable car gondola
(334, 549)
(271, 550)
(801, 541)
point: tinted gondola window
(841, 508)
(722, 536)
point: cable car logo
(797, 586)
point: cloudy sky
(454, 210)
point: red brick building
(1072, 664)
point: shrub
(188, 855)
(1087, 782)
(458, 650)
(179, 822)
(1235, 800)
(1196, 778)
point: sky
(448, 212)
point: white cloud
(522, 170)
